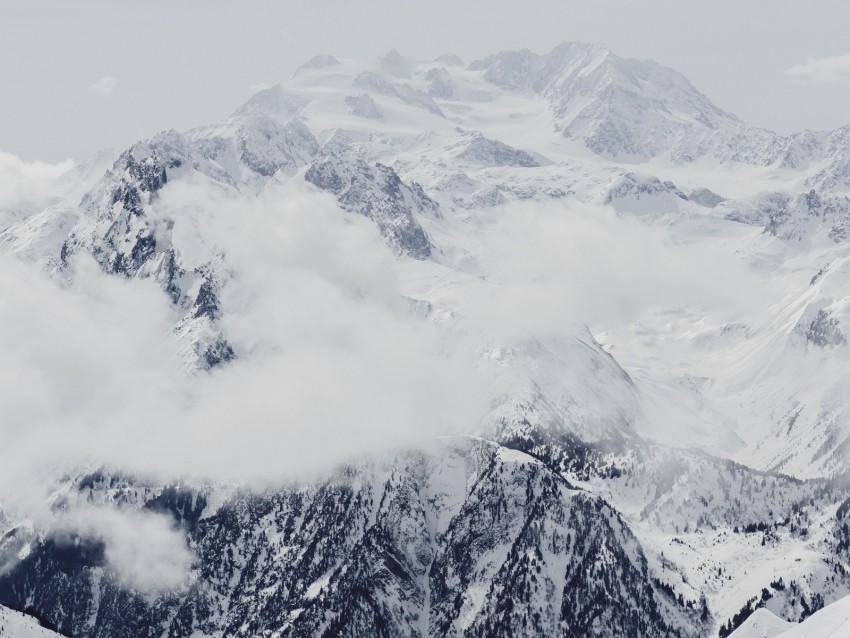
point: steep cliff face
(119, 224)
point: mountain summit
(621, 109)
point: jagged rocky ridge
(116, 226)
(378, 193)
(466, 538)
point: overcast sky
(80, 76)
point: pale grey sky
(80, 76)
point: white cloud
(28, 186)
(833, 70)
(564, 264)
(332, 364)
(104, 85)
(145, 550)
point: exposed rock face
(378, 193)
(478, 150)
(793, 217)
(267, 147)
(119, 228)
(118, 231)
(705, 197)
(439, 84)
(364, 106)
(820, 329)
(644, 195)
(466, 538)
(406, 93)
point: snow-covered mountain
(654, 293)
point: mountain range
(654, 294)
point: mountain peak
(320, 61)
(395, 64)
(622, 109)
(275, 102)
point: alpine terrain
(630, 416)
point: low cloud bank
(332, 362)
(27, 186)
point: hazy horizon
(88, 76)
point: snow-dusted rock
(363, 106)
(475, 149)
(378, 193)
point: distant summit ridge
(621, 108)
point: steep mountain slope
(620, 109)
(464, 539)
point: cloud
(144, 549)
(333, 364)
(560, 265)
(104, 85)
(831, 71)
(28, 186)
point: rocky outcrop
(378, 193)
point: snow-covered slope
(830, 622)
(654, 297)
(14, 624)
(762, 624)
